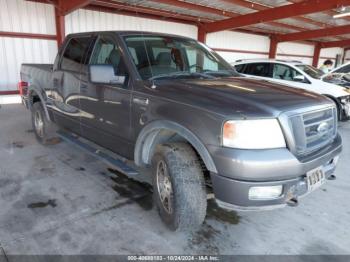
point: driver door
(108, 105)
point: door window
(284, 72)
(239, 68)
(73, 56)
(258, 69)
(107, 52)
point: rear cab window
(75, 53)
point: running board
(117, 162)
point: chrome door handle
(141, 101)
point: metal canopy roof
(255, 16)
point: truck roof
(129, 32)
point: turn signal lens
(229, 131)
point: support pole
(273, 47)
(60, 27)
(202, 34)
(316, 57)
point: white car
(298, 75)
(339, 75)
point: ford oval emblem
(323, 127)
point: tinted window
(258, 69)
(73, 56)
(344, 69)
(284, 72)
(239, 68)
(106, 52)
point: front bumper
(242, 169)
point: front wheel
(179, 186)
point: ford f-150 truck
(173, 107)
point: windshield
(311, 71)
(161, 57)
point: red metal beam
(260, 7)
(9, 92)
(316, 57)
(330, 31)
(211, 10)
(60, 27)
(240, 51)
(321, 24)
(147, 10)
(93, 7)
(273, 47)
(281, 12)
(67, 6)
(27, 35)
(200, 8)
(264, 53)
(342, 43)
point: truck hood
(239, 96)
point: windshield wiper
(181, 73)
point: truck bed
(37, 75)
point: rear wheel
(179, 186)
(45, 130)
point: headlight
(253, 134)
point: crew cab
(171, 107)
(299, 75)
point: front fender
(147, 140)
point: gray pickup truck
(172, 107)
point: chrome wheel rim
(39, 124)
(164, 186)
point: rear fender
(35, 91)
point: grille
(314, 130)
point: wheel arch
(36, 96)
(161, 131)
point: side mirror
(104, 74)
(299, 78)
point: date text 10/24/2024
(173, 258)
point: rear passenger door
(107, 106)
(66, 83)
